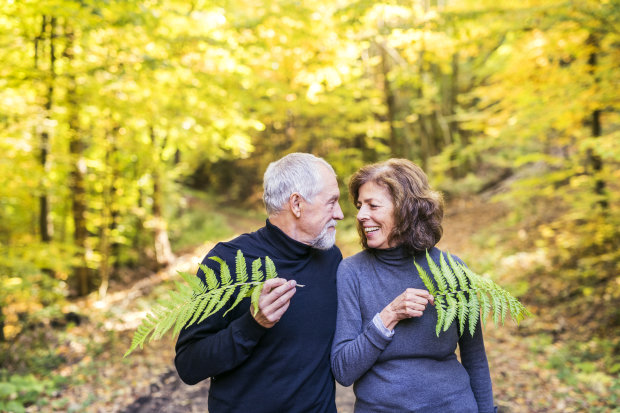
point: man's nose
(338, 212)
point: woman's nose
(362, 214)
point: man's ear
(294, 202)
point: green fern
(194, 301)
(462, 295)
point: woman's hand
(411, 303)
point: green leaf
(270, 268)
(240, 296)
(447, 273)
(255, 296)
(428, 283)
(224, 271)
(240, 267)
(257, 273)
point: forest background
(117, 117)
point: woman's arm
(356, 347)
(474, 359)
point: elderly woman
(385, 342)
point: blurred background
(134, 135)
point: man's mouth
(368, 230)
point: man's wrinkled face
(319, 217)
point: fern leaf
(199, 305)
(460, 275)
(198, 299)
(430, 286)
(194, 282)
(440, 304)
(255, 296)
(224, 271)
(243, 290)
(439, 279)
(225, 298)
(257, 273)
(504, 301)
(463, 310)
(270, 269)
(497, 304)
(447, 273)
(450, 312)
(210, 277)
(240, 267)
(474, 312)
(213, 299)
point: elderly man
(276, 359)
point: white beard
(326, 239)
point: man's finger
(279, 302)
(269, 296)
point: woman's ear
(294, 202)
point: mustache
(331, 223)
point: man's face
(318, 218)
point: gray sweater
(414, 370)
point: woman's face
(376, 214)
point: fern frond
(439, 278)
(210, 277)
(196, 300)
(464, 295)
(450, 312)
(242, 293)
(224, 271)
(447, 273)
(430, 286)
(460, 275)
(255, 296)
(440, 304)
(270, 269)
(463, 310)
(474, 312)
(240, 267)
(257, 273)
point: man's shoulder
(248, 243)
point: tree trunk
(390, 101)
(45, 224)
(594, 159)
(78, 172)
(163, 251)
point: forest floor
(103, 381)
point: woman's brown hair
(418, 210)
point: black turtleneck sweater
(255, 369)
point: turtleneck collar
(392, 256)
(285, 245)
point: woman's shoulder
(357, 259)
(354, 262)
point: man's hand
(274, 300)
(411, 303)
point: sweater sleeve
(356, 347)
(474, 359)
(218, 344)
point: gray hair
(296, 172)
